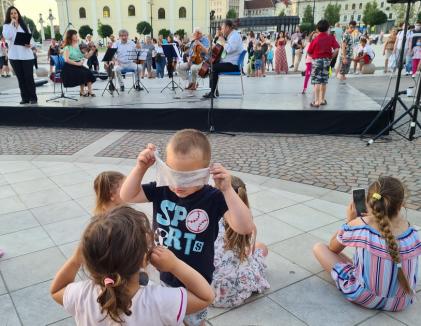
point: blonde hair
(105, 185)
(385, 207)
(238, 243)
(187, 140)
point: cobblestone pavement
(45, 141)
(339, 163)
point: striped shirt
(371, 280)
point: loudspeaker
(401, 1)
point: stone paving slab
(338, 163)
(38, 238)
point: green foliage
(105, 31)
(144, 28)
(85, 30)
(47, 32)
(308, 15)
(232, 14)
(419, 17)
(181, 33)
(400, 12)
(31, 25)
(282, 13)
(307, 28)
(164, 32)
(332, 13)
(372, 15)
(58, 36)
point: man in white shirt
(398, 48)
(229, 59)
(126, 52)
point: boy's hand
(221, 177)
(163, 259)
(146, 158)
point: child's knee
(318, 248)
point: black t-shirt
(188, 226)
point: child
(107, 189)
(113, 248)
(270, 55)
(383, 273)
(186, 209)
(258, 59)
(309, 60)
(364, 57)
(416, 58)
(239, 261)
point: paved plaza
(46, 201)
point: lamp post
(151, 4)
(51, 18)
(192, 16)
(314, 10)
(41, 22)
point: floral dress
(233, 281)
(281, 63)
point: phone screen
(359, 201)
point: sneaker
(33, 102)
(209, 95)
(23, 102)
(414, 75)
(407, 74)
(121, 88)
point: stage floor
(273, 104)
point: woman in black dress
(74, 72)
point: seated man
(126, 52)
(229, 61)
(365, 56)
(196, 54)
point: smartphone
(359, 201)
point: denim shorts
(258, 63)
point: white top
(151, 305)
(125, 51)
(233, 48)
(366, 50)
(159, 49)
(16, 52)
(400, 39)
(417, 52)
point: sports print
(197, 221)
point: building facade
(168, 14)
(263, 8)
(350, 9)
(221, 7)
(4, 4)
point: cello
(215, 57)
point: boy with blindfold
(186, 208)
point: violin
(196, 57)
(215, 57)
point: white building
(4, 4)
(255, 8)
(350, 9)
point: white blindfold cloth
(167, 177)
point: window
(390, 16)
(106, 12)
(131, 11)
(161, 13)
(353, 6)
(359, 17)
(182, 12)
(382, 5)
(345, 18)
(352, 17)
(346, 7)
(361, 6)
(82, 12)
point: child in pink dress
(309, 60)
(416, 58)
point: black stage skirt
(73, 76)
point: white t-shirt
(366, 50)
(400, 39)
(151, 305)
(125, 51)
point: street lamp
(41, 22)
(314, 10)
(51, 18)
(151, 4)
(192, 16)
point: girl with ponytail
(383, 273)
(114, 247)
(239, 261)
(107, 190)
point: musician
(126, 50)
(229, 60)
(197, 51)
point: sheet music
(177, 50)
(137, 54)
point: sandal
(82, 94)
(324, 103)
(90, 94)
(314, 105)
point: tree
(164, 32)
(332, 13)
(47, 32)
(58, 36)
(419, 16)
(282, 13)
(144, 28)
(105, 31)
(308, 15)
(31, 25)
(231, 14)
(372, 15)
(400, 12)
(85, 30)
(181, 32)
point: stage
(273, 104)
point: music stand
(138, 56)
(108, 57)
(171, 52)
